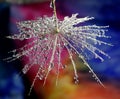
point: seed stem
(55, 14)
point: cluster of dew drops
(47, 43)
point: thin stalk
(55, 14)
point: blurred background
(106, 12)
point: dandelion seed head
(50, 36)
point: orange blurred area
(65, 87)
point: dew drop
(51, 65)
(89, 71)
(64, 66)
(40, 77)
(77, 81)
(64, 44)
(46, 58)
(13, 55)
(97, 80)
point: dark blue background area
(105, 12)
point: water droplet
(51, 4)
(77, 81)
(96, 78)
(51, 65)
(58, 44)
(90, 71)
(76, 77)
(98, 81)
(65, 44)
(13, 55)
(45, 39)
(40, 77)
(64, 66)
(75, 52)
(79, 56)
(46, 58)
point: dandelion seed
(50, 36)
